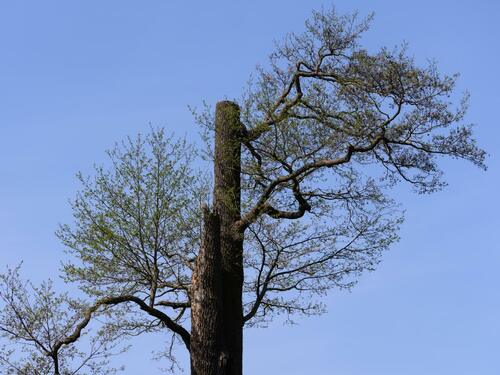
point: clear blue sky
(76, 76)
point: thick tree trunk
(227, 202)
(206, 301)
(217, 311)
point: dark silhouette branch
(109, 301)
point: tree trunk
(217, 311)
(55, 359)
(206, 301)
(227, 202)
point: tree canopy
(323, 132)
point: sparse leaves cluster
(36, 323)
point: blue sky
(76, 76)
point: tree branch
(262, 207)
(165, 319)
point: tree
(44, 327)
(303, 164)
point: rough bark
(206, 333)
(216, 306)
(227, 201)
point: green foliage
(137, 224)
